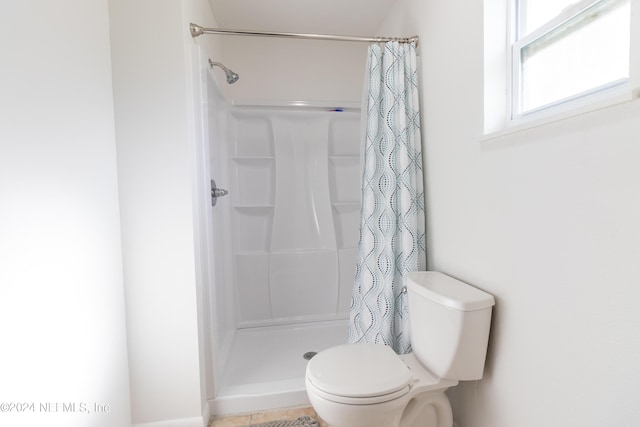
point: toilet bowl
(383, 384)
(369, 385)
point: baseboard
(180, 422)
(206, 414)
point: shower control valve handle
(216, 192)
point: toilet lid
(358, 370)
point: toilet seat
(359, 374)
(371, 400)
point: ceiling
(341, 17)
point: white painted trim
(634, 51)
(498, 35)
(576, 12)
(607, 102)
(180, 422)
(206, 413)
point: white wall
(547, 221)
(61, 292)
(275, 69)
(156, 138)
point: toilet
(369, 385)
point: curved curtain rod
(197, 30)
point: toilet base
(427, 409)
(430, 409)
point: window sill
(558, 114)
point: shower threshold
(266, 365)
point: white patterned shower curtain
(392, 236)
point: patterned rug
(300, 422)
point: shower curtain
(392, 236)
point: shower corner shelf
(346, 203)
(251, 252)
(252, 158)
(345, 158)
(254, 206)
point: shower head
(231, 76)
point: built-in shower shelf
(253, 159)
(348, 204)
(251, 253)
(345, 159)
(344, 179)
(256, 206)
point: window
(565, 53)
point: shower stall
(283, 244)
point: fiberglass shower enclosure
(284, 244)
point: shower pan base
(266, 365)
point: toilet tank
(449, 324)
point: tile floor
(263, 417)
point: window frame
(611, 91)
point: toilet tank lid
(448, 291)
